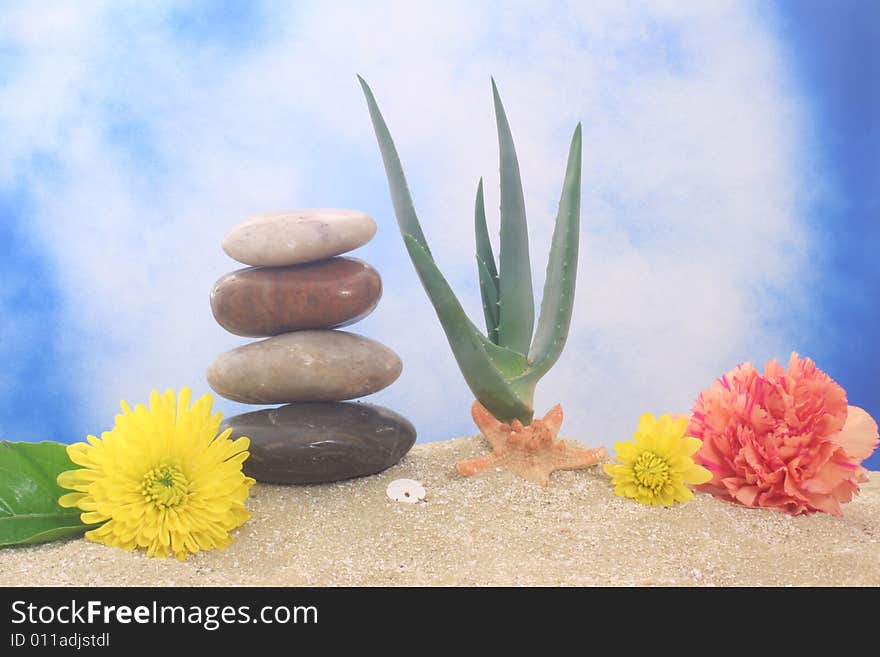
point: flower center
(651, 471)
(165, 486)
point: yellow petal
(71, 500)
(646, 423)
(691, 445)
(664, 424)
(173, 433)
(683, 494)
(679, 425)
(626, 451)
(73, 480)
(696, 475)
(92, 517)
(80, 453)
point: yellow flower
(657, 467)
(161, 479)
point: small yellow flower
(659, 465)
(161, 479)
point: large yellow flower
(659, 465)
(161, 479)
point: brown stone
(263, 301)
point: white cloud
(689, 206)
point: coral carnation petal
(859, 434)
(784, 440)
(746, 495)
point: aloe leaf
(486, 269)
(510, 363)
(558, 300)
(29, 509)
(481, 232)
(471, 349)
(400, 196)
(517, 302)
(489, 292)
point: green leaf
(486, 267)
(400, 196)
(29, 509)
(487, 368)
(558, 300)
(517, 301)
(483, 372)
(489, 292)
(481, 233)
(510, 363)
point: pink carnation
(785, 439)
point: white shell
(405, 490)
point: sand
(494, 529)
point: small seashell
(405, 490)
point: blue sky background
(729, 211)
(834, 53)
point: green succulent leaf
(29, 509)
(517, 302)
(495, 367)
(510, 363)
(486, 269)
(486, 367)
(481, 233)
(400, 196)
(558, 299)
(489, 292)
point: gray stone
(297, 236)
(318, 365)
(313, 443)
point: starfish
(530, 451)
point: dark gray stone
(320, 442)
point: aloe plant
(503, 367)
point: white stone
(293, 237)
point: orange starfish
(530, 451)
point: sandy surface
(494, 529)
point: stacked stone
(297, 292)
